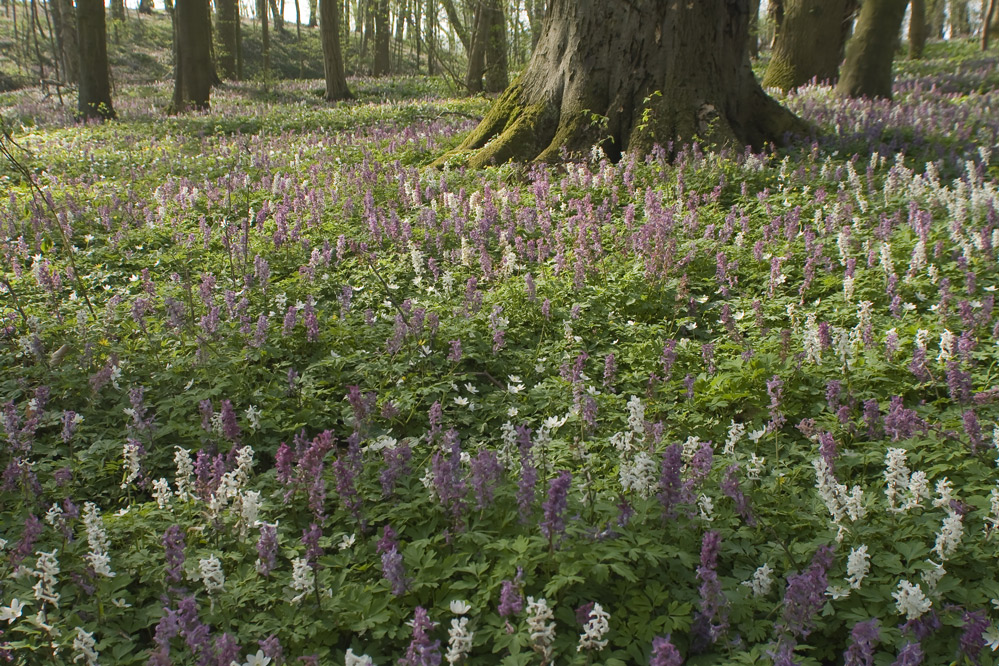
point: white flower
(12, 612)
(84, 647)
(302, 580)
(949, 536)
(130, 454)
(461, 401)
(706, 508)
(991, 637)
(460, 607)
(46, 570)
(253, 417)
(761, 581)
(594, 630)
(910, 600)
(459, 642)
(212, 576)
(836, 592)
(932, 576)
(541, 627)
(185, 472)
(857, 566)
(347, 541)
(351, 659)
(162, 493)
(97, 540)
(514, 388)
(258, 659)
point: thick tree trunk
(477, 53)
(94, 100)
(227, 18)
(658, 72)
(867, 70)
(383, 38)
(146, 7)
(265, 37)
(936, 15)
(64, 16)
(431, 37)
(117, 10)
(329, 28)
(917, 28)
(497, 78)
(277, 16)
(960, 25)
(809, 42)
(193, 69)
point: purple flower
(827, 449)
(226, 650)
(610, 371)
(972, 640)
(864, 637)
(422, 651)
(804, 596)
(553, 523)
(668, 358)
(664, 653)
(345, 472)
(710, 622)
(775, 389)
(973, 430)
(872, 417)
(688, 384)
(958, 382)
(670, 483)
(26, 544)
(901, 423)
(310, 538)
(449, 482)
(392, 566)
(396, 465)
(730, 487)
(910, 655)
(230, 429)
(173, 544)
(528, 474)
(511, 600)
(267, 547)
(271, 647)
(310, 320)
(486, 472)
(454, 356)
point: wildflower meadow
(275, 391)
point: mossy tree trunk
(960, 24)
(227, 14)
(936, 18)
(809, 42)
(917, 28)
(329, 28)
(94, 91)
(193, 68)
(631, 75)
(383, 38)
(867, 70)
(497, 78)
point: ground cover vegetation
(276, 392)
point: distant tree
(497, 78)
(809, 42)
(383, 37)
(230, 56)
(313, 13)
(64, 20)
(265, 38)
(917, 28)
(990, 22)
(329, 28)
(193, 69)
(117, 10)
(649, 71)
(960, 24)
(535, 10)
(936, 18)
(867, 70)
(277, 15)
(94, 92)
(146, 7)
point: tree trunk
(754, 28)
(227, 19)
(94, 100)
(936, 15)
(431, 38)
(458, 25)
(277, 16)
(809, 42)
(329, 29)
(497, 78)
(146, 7)
(265, 37)
(64, 15)
(917, 28)
(990, 21)
(535, 16)
(477, 53)
(383, 38)
(313, 13)
(656, 72)
(193, 69)
(869, 54)
(117, 10)
(960, 25)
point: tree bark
(64, 16)
(917, 28)
(809, 42)
(94, 92)
(497, 78)
(990, 21)
(117, 10)
(227, 19)
(936, 18)
(277, 16)
(535, 17)
(960, 25)
(329, 29)
(649, 71)
(193, 69)
(146, 7)
(477, 53)
(458, 25)
(383, 38)
(867, 70)
(313, 13)
(265, 37)
(754, 28)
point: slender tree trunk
(917, 28)
(990, 21)
(193, 69)
(867, 70)
(935, 18)
(497, 78)
(459, 26)
(64, 15)
(265, 37)
(94, 100)
(227, 19)
(431, 38)
(146, 7)
(329, 30)
(809, 42)
(477, 53)
(383, 38)
(658, 72)
(277, 15)
(117, 10)
(960, 25)
(754, 28)
(535, 16)
(313, 13)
